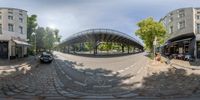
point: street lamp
(154, 48)
(35, 41)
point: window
(10, 27)
(20, 14)
(198, 27)
(171, 29)
(0, 28)
(21, 20)
(170, 14)
(0, 17)
(10, 12)
(181, 25)
(181, 13)
(198, 16)
(198, 12)
(21, 29)
(10, 17)
(170, 19)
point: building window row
(10, 17)
(181, 13)
(181, 25)
(11, 28)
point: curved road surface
(70, 76)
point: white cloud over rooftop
(71, 16)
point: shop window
(198, 27)
(0, 28)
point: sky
(72, 16)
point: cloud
(71, 16)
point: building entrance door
(198, 49)
(3, 49)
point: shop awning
(187, 39)
(21, 43)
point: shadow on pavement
(172, 83)
(93, 81)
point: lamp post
(34, 41)
(154, 48)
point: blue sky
(71, 16)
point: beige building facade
(13, 33)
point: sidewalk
(185, 64)
(17, 64)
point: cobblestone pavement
(118, 76)
(121, 78)
(62, 80)
(35, 84)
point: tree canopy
(148, 30)
(44, 38)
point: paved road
(72, 76)
(113, 75)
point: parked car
(46, 57)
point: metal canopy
(102, 35)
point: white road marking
(79, 83)
(68, 77)
(127, 68)
(120, 71)
(62, 71)
(90, 73)
(140, 70)
(104, 86)
(114, 73)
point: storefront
(13, 49)
(181, 47)
(198, 49)
(19, 49)
(3, 49)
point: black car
(46, 57)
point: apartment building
(183, 27)
(13, 33)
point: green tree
(40, 37)
(88, 46)
(31, 26)
(49, 39)
(148, 30)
